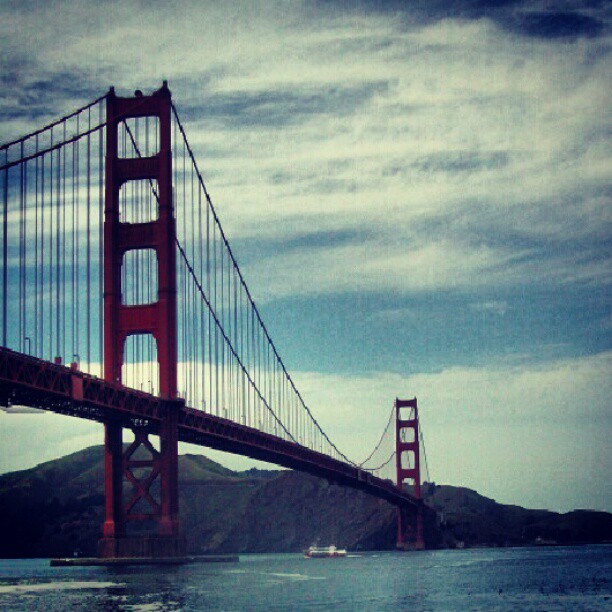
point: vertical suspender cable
(51, 258)
(36, 253)
(135, 267)
(247, 362)
(214, 280)
(25, 256)
(201, 306)
(73, 267)
(237, 400)
(194, 342)
(223, 327)
(64, 239)
(230, 315)
(42, 258)
(77, 296)
(88, 284)
(21, 298)
(252, 342)
(186, 323)
(243, 394)
(58, 350)
(210, 406)
(5, 251)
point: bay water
(555, 578)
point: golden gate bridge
(123, 303)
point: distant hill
(57, 507)
(467, 518)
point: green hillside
(57, 508)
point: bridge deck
(32, 382)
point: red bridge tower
(157, 318)
(407, 459)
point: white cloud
(538, 112)
(498, 307)
(531, 435)
(456, 87)
(30, 439)
(565, 391)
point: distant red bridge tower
(407, 456)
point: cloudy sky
(418, 194)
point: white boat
(323, 552)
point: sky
(418, 194)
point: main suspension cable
(249, 296)
(382, 437)
(382, 465)
(53, 147)
(53, 124)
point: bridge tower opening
(407, 456)
(123, 234)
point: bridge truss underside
(32, 382)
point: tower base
(410, 545)
(142, 546)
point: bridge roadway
(28, 381)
